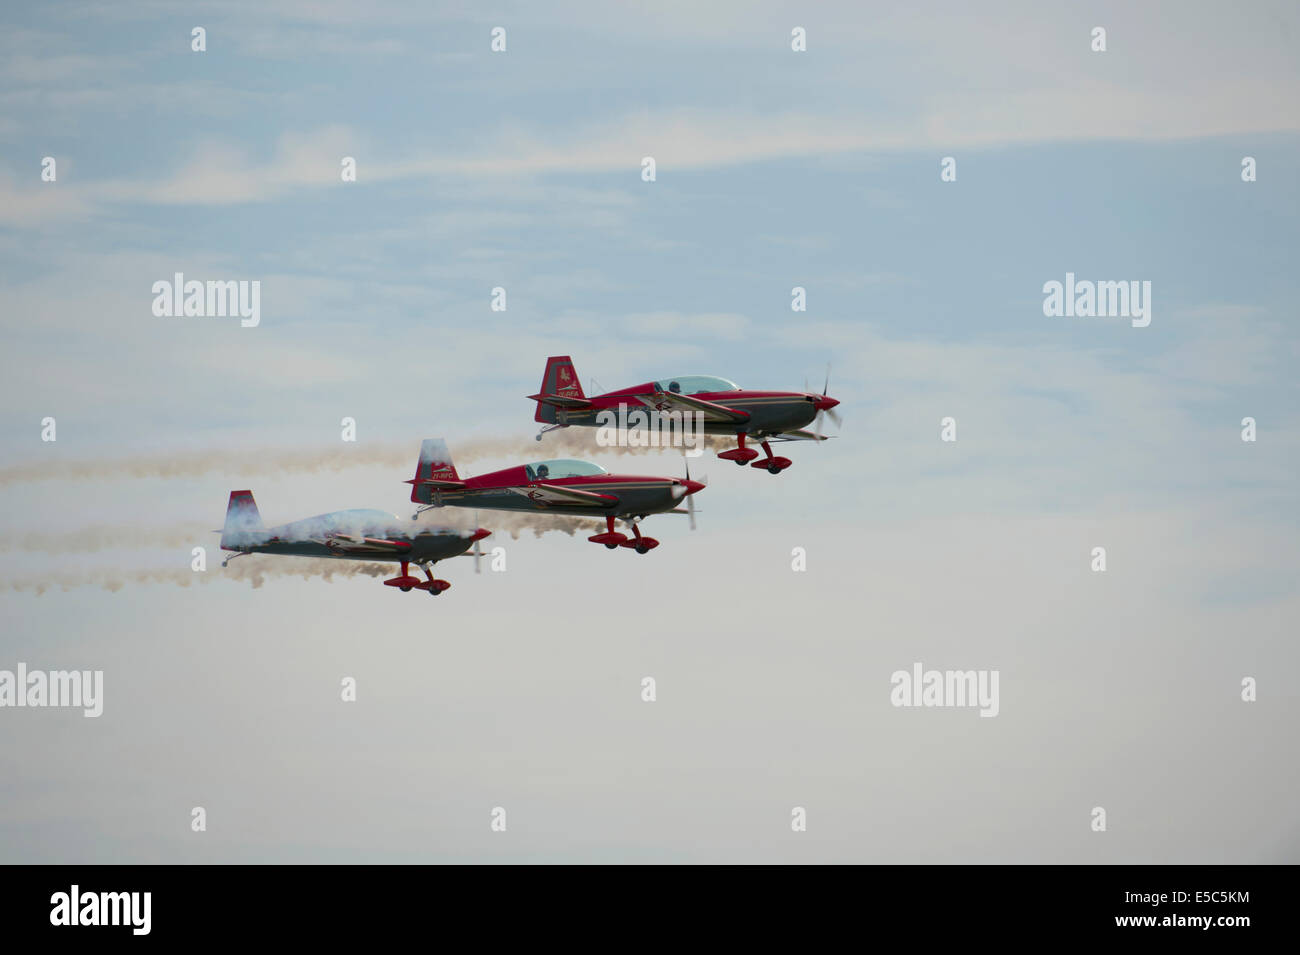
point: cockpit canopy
(696, 384)
(561, 468)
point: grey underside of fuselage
(422, 550)
(647, 501)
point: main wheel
(405, 590)
(434, 591)
(773, 469)
(642, 549)
(612, 546)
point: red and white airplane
(722, 407)
(561, 486)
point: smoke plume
(401, 458)
(255, 569)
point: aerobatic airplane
(554, 487)
(354, 535)
(720, 406)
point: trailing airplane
(562, 486)
(722, 406)
(353, 535)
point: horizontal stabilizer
(562, 401)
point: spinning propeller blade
(478, 554)
(690, 498)
(830, 412)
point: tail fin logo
(435, 461)
(434, 465)
(560, 380)
(567, 384)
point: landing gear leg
(611, 538)
(773, 464)
(641, 545)
(741, 455)
(405, 582)
(432, 585)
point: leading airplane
(353, 535)
(722, 406)
(562, 486)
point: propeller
(826, 412)
(690, 498)
(478, 553)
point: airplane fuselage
(426, 546)
(512, 490)
(770, 412)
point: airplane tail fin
(243, 522)
(559, 381)
(434, 465)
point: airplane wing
(343, 544)
(562, 401)
(671, 401)
(544, 495)
(799, 435)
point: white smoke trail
(237, 464)
(120, 537)
(97, 537)
(268, 461)
(255, 569)
(516, 522)
(583, 442)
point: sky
(522, 687)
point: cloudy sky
(522, 169)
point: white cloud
(34, 202)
